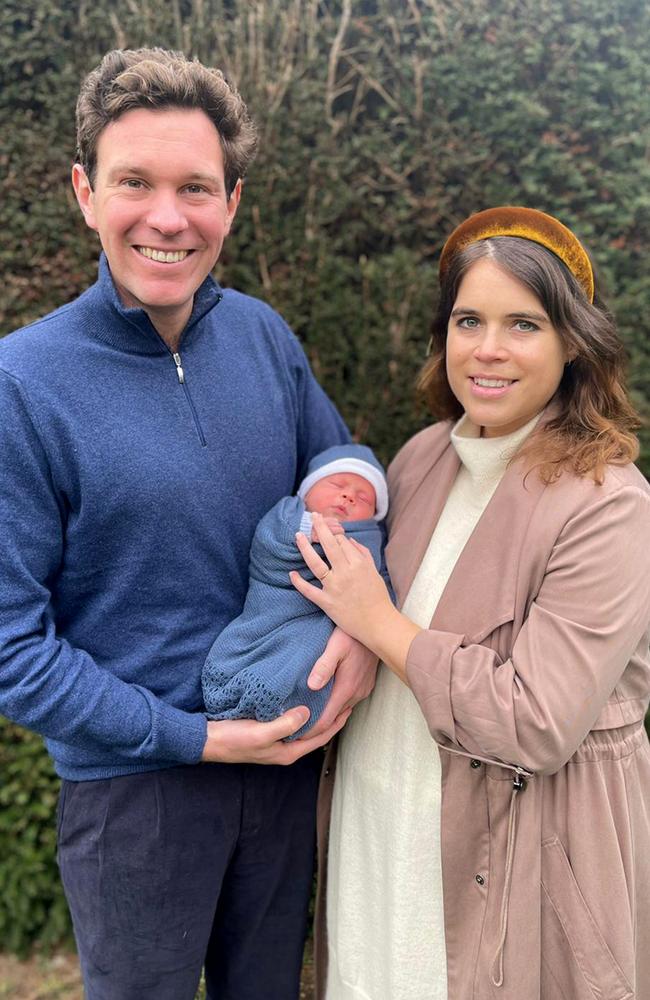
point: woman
(490, 828)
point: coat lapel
(481, 592)
(417, 500)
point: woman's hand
(335, 527)
(353, 593)
(354, 596)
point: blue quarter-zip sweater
(132, 483)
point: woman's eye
(468, 322)
(525, 326)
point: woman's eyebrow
(538, 317)
(523, 314)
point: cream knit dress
(384, 904)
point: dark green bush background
(383, 124)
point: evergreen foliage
(382, 126)
(32, 906)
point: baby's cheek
(366, 513)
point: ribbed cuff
(306, 524)
(177, 735)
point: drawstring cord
(518, 785)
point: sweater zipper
(181, 378)
(179, 367)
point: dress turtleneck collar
(484, 458)
(131, 329)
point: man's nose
(166, 214)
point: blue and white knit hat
(354, 458)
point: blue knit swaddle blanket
(258, 666)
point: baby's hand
(335, 527)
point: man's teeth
(162, 256)
(493, 383)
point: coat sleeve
(46, 684)
(589, 618)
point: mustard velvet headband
(529, 224)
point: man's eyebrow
(126, 168)
(206, 178)
(137, 170)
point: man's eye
(195, 189)
(132, 182)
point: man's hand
(245, 741)
(354, 669)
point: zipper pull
(179, 367)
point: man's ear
(84, 194)
(233, 205)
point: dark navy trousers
(171, 870)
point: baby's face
(344, 495)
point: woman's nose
(491, 346)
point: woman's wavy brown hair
(595, 422)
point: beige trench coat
(535, 686)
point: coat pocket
(577, 963)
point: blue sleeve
(46, 684)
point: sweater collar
(130, 329)
(486, 459)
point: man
(146, 427)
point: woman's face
(504, 358)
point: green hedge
(382, 126)
(32, 906)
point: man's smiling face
(160, 208)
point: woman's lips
(489, 387)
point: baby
(258, 666)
